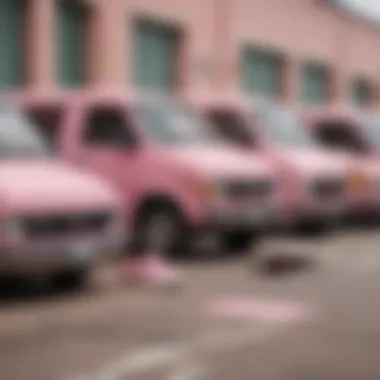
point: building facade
(309, 51)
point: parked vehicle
(370, 123)
(357, 138)
(314, 182)
(185, 186)
(57, 221)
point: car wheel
(163, 230)
(314, 228)
(71, 279)
(239, 242)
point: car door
(110, 147)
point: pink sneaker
(152, 270)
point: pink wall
(214, 30)
(304, 29)
(39, 34)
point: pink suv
(56, 221)
(312, 180)
(357, 137)
(185, 186)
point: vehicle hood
(314, 162)
(221, 162)
(367, 164)
(41, 186)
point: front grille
(61, 225)
(248, 189)
(328, 188)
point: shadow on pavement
(15, 291)
(285, 265)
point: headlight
(13, 229)
(358, 182)
(204, 189)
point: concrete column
(338, 87)
(224, 62)
(40, 37)
(109, 44)
(291, 80)
(339, 72)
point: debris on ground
(285, 256)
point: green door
(71, 43)
(261, 72)
(12, 14)
(155, 56)
(360, 92)
(314, 84)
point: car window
(108, 127)
(340, 136)
(231, 127)
(171, 123)
(371, 130)
(282, 127)
(19, 137)
(48, 120)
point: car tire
(71, 279)
(239, 242)
(316, 228)
(163, 229)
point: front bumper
(46, 257)
(328, 212)
(240, 217)
(365, 207)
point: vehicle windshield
(282, 127)
(171, 123)
(18, 138)
(372, 130)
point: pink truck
(185, 185)
(357, 137)
(56, 220)
(313, 181)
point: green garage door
(155, 56)
(360, 92)
(314, 84)
(12, 14)
(261, 72)
(71, 43)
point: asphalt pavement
(230, 321)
